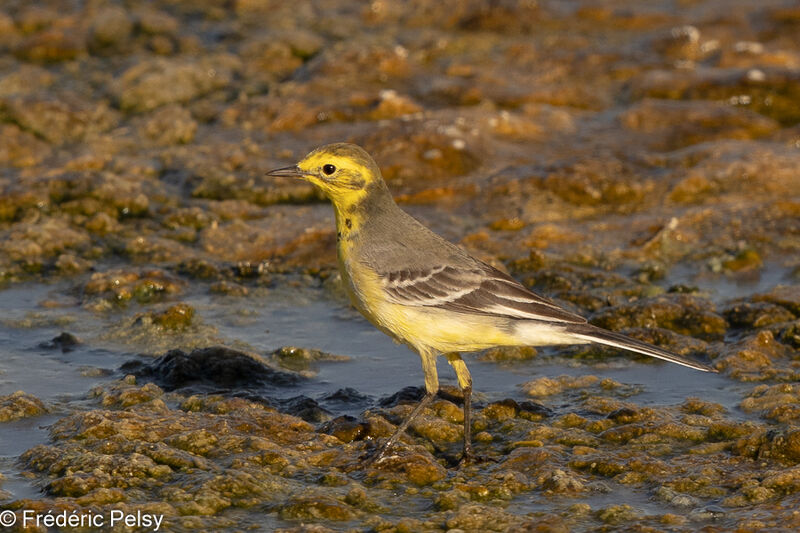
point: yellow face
(343, 172)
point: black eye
(328, 169)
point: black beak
(289, 172)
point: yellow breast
(362, 285)
(419, 327)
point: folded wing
(479, 289)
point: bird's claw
(469, 458)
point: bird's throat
(348, 224)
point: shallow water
(315, 320)
(299, 317)
(631, 160)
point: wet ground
(174, 338)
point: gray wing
(476, 289)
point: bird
(429, 293)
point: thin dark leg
(431, 386)
(465, 383)
(401, 429)
(467, 457)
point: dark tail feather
(618, 340)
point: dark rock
(66, 342)
(346, 397)
(198, 269)
(781, 445)
(751, 315)
(214, 367)
(534, 408)
(451, 394)
(405, 395)
(623, 415)
(790, 335)
(306, 408)
(787, 296)
(246, 269)
(346, 428)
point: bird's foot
(467, 458)
(376, 456)
(474, 459)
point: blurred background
(637, 161)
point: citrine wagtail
(427, 292)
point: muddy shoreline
(174, 338)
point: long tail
(591, 333)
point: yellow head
(344, 172)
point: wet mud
(174, 337)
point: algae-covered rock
(752, 315)
(20, 148)
(509, 353)
(151, 84)
(121, 286)
(683, 314)
(20, 405)
(786, 296)
(597, 182)
(302, 359)
(481, 518)
(771, 92)
(316, 508)
(617, 514)
(51, 46)
(110, 30)
(175, 317)
(756, 357)
(238, 453)
(508, 408)
(170, 125)
(777, 402)
(671, 125)
(782, 446)
(542, 387)
(346, 428)
(128, 393)
(426, 153)
(58, 121)
(34, 245)
(92, 449)
(413, 465)
(637, 163)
